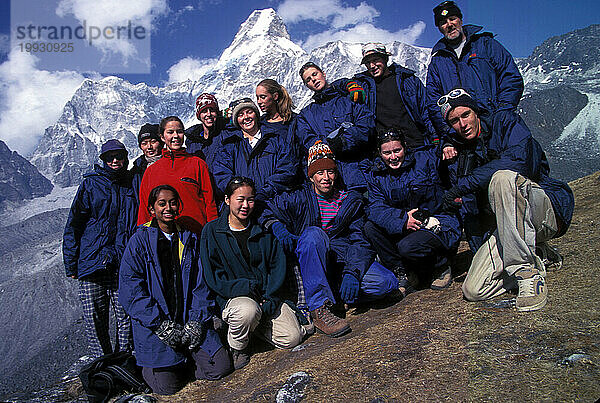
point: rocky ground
(435, 346)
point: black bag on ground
(110, 375)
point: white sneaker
(533, 293)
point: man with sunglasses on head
(509, 204)
(472, 59)
(345, 126)
(393, 94)
(100, 223)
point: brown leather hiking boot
(326, 322)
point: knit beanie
(445, 10)
(205, 101)
(148, 131)
(320, 157)
(374, 48)
(240, 104)
(456, 97)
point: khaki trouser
(524, 216)
(243, 315)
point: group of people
(269, 225)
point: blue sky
(32, 96)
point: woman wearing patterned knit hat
(204, 139)
(260, 152)
(322, 226)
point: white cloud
(348, 24)
(31, 100)
(365, 33)
(114, 13)
(189, 69)
(325, 12)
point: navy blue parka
(505, 143)
(331, 108)
(485, 69)
(101, 221)
(142, 294)
(415, 184)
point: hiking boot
(406, 283)
(442, 280)
(326, 322)
(240, 358)
(549, 255)
(533, 293)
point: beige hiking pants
(524, 216)
(243, 315)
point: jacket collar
(172, 154)
(326, 94)
(222, 224)
(379, 167)
(471, 32)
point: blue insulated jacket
(410, 88)
(207, 149)
(271, 164)
(299, 210)
(416, 184)
(229, 275)
(331, 108)
(101, 221)
(137, 171)
(485, 70)
(506, 143)
(141, 292)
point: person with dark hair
(261, 152)
(472, 59)
(508, 202)
(186, 173)
(151, 146)
(246, 266)
(346, 127)
(393, 94)
(321, 227)
(162, 288)
(101, 221)
(405, 223)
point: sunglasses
(455, 93)
(307, 66)
(108, 157)
(238, 180)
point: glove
(349, 288)
(449, 203)
(170, 333)
(193, 335)
(357, 93)
(227, 115)
(284, 236)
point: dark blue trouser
(319, 274)
(417, 251)
(169, 380)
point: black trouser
(419, 251)
(169, 380)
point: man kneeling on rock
(508, 203)
(322, 226)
